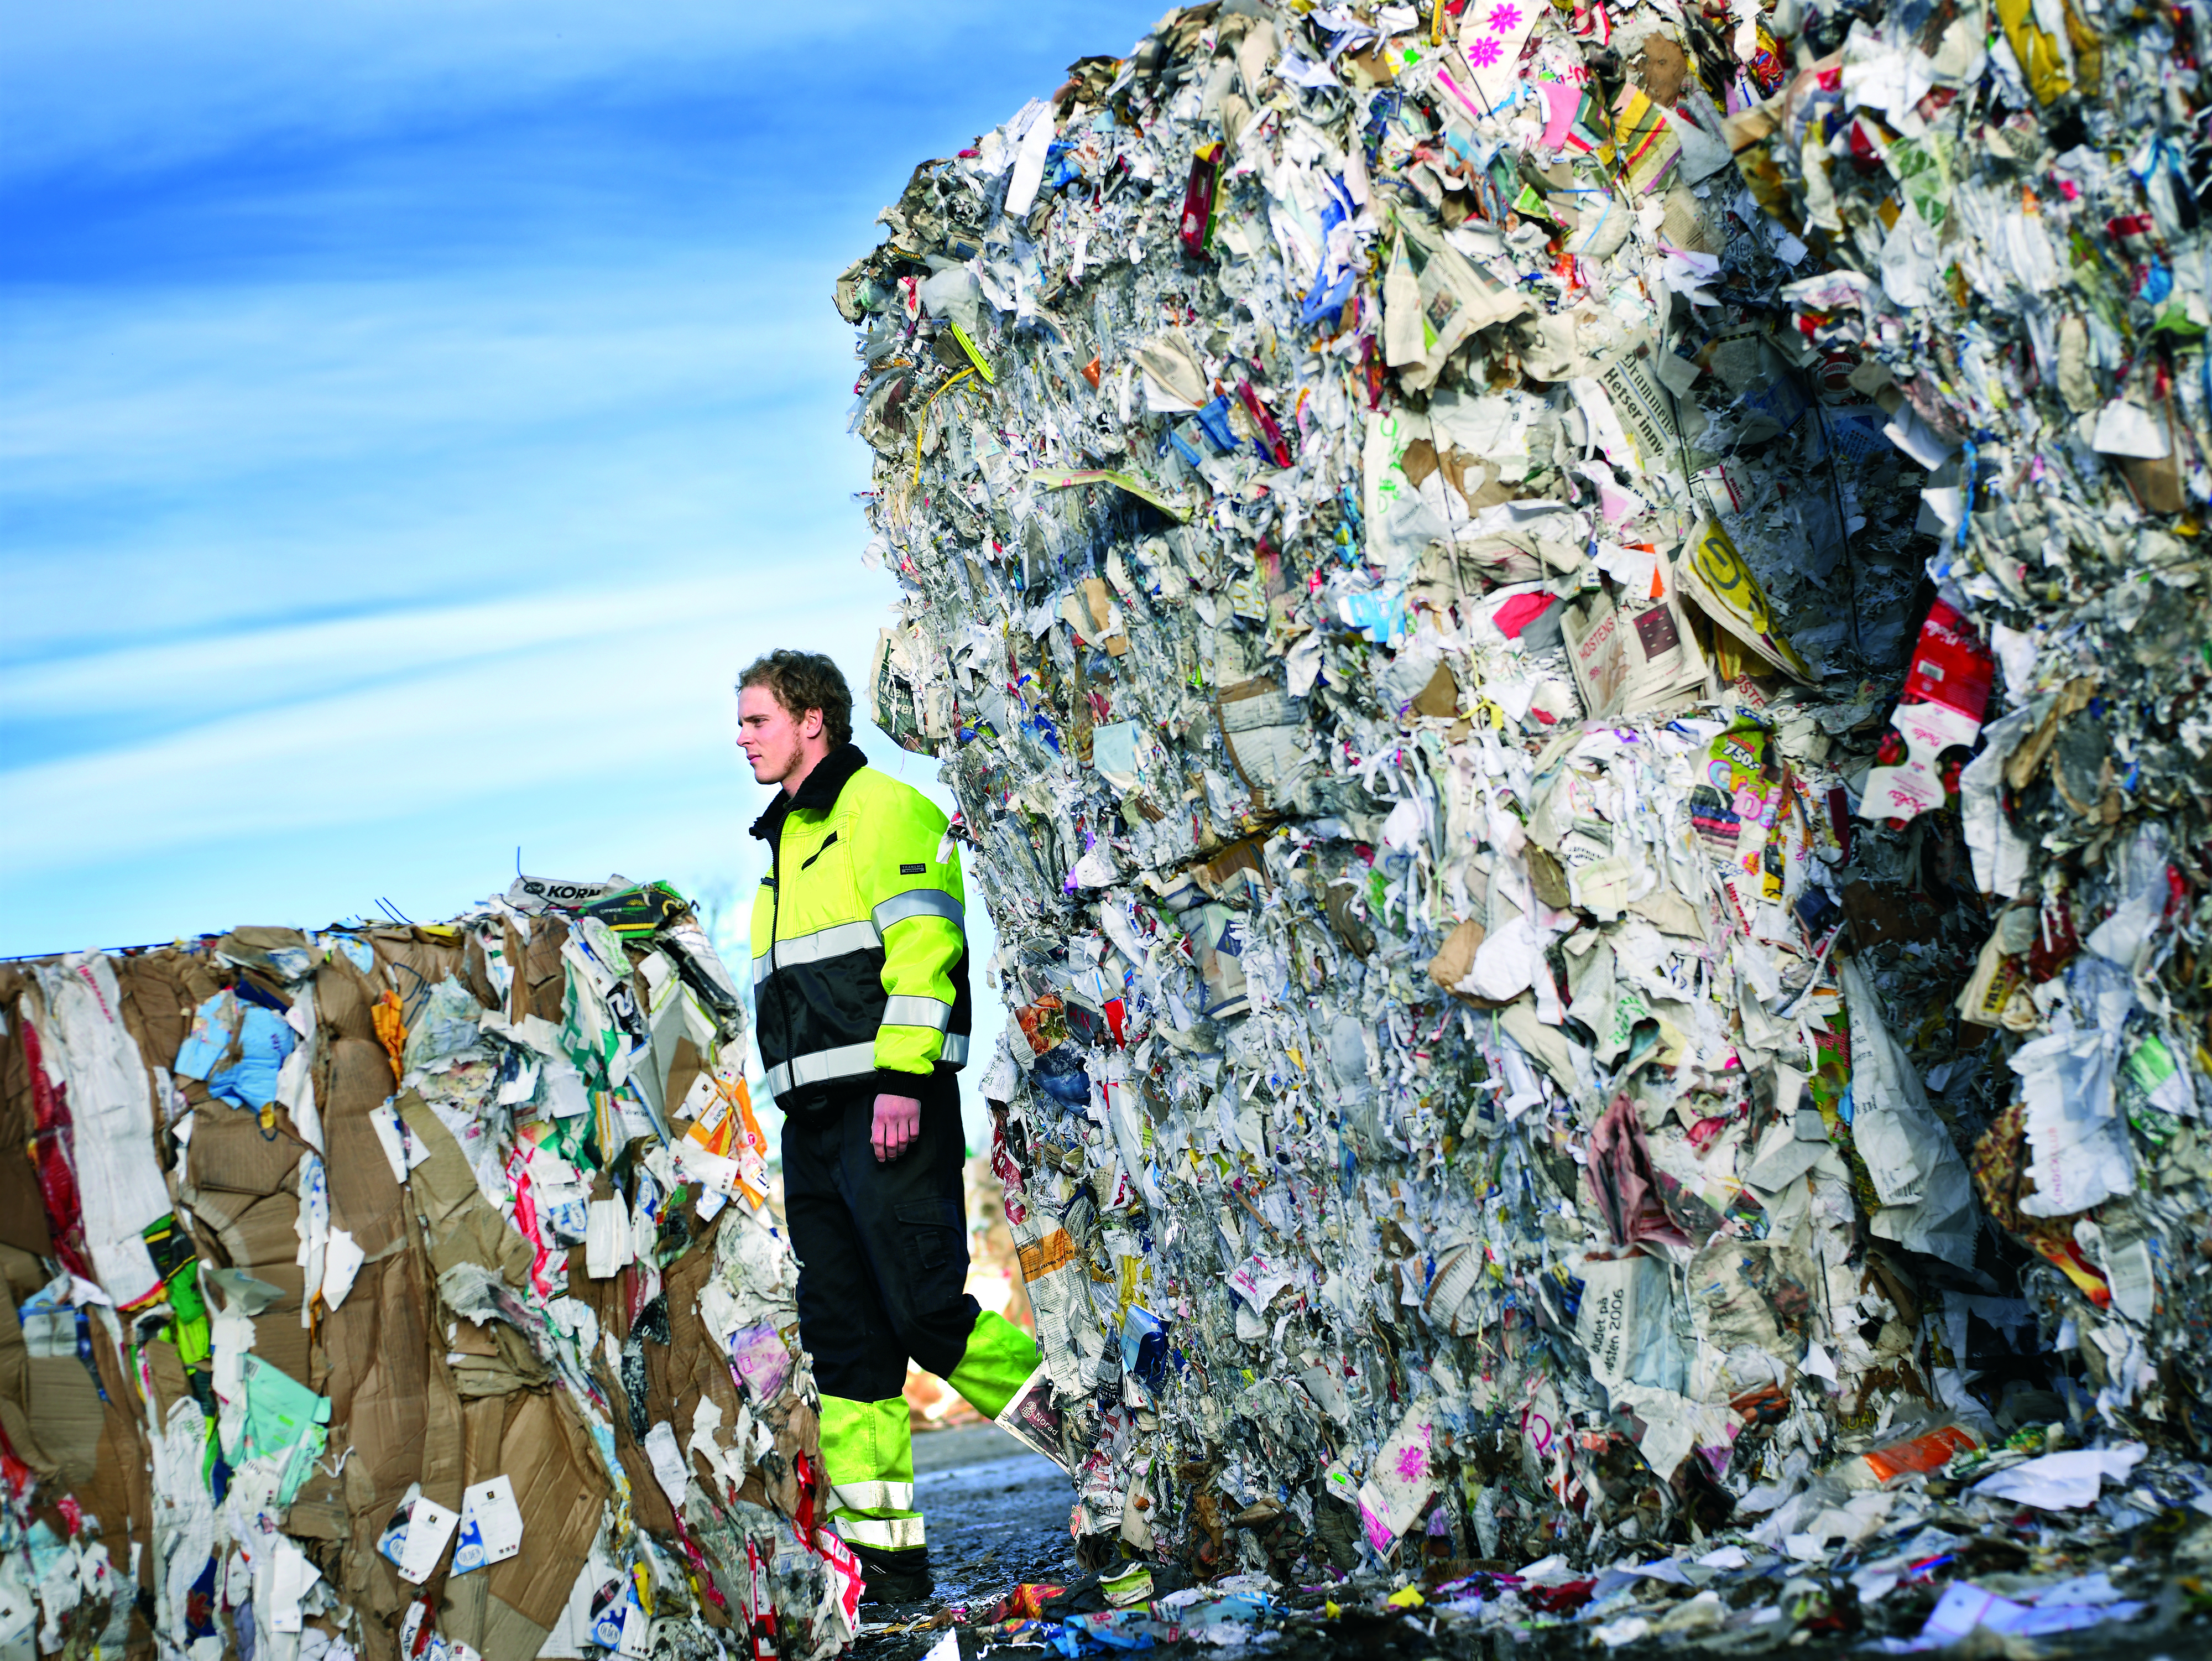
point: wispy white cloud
(277, 449)
(201, 385)
(467, 704)
(202, 78)
(291, 661)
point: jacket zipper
(775, 939)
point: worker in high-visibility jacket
(860, 1000)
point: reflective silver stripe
(905, 1011)
(841, 938)
(831, 942)
(919, 902)
(885, 1534)
(954, 1054)
(821, 1066)
(876, 1496)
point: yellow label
(1721, 583)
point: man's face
(773, 739)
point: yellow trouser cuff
(999, 1359)
(867, 1442)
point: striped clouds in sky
(413, 415)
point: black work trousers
(882, 1248)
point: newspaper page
(1633, 652)
(1644, 406)
(890, 694)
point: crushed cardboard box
(376, 1296)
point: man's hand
(898, 1122)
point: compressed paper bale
(414, 1403)
(1235, 1102)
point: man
(860, 992)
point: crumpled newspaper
(1449, 605)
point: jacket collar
(820, 790)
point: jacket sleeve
(918, 907)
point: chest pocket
(818, 886)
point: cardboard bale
(350, 1336)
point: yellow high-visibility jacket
(860, 943)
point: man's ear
(811, 725)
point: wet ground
(998, 1516)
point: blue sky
(412, 417)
